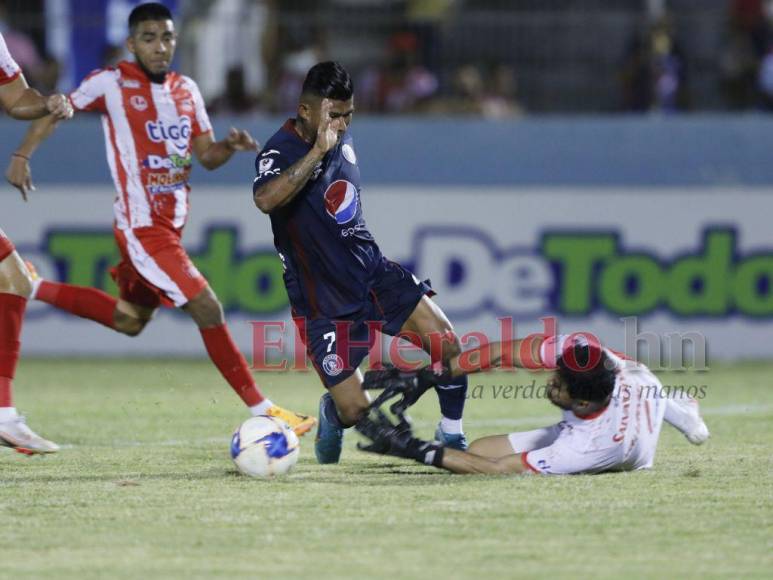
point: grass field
(144, 488)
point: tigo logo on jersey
(178, 133)
(341, 201)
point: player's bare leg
(428, 320)
(131, 319)
(493, 447)
(341, 407)
(207, 312)
(15, 289)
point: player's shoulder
(98, 81)
(284, 141)
(185, 82)
(106, 73)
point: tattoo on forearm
(301, 171)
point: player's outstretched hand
(387, 438)
(59, 106)
(19, 175)
(410, 385)
(327, 131)
(239, 140)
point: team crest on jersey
(348, 153)
(333, 364)
(138, 102)
(186, 105)
(341, 201)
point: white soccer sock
(681, 413)
(451, 426)
(8, 413)
(261, 408)
(35, 286)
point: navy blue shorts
(337, 347)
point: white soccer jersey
(621, 437)
(9, 70)
(149, 129)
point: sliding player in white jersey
(23, 103)
(613, 410)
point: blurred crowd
(654, 73)
(408, 65)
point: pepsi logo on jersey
(341, 201)
(178, 133)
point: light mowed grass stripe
(147, 509)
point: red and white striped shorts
(155, 269)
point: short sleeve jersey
(149, 128)
(9, 70)
(622, 437)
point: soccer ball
(264, 447)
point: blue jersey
(329, 256)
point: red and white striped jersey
(149, 129)
(9, 70)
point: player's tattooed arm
(282, 189)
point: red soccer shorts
(6, 247)
(155, 270)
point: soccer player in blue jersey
(339, 284)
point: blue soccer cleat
(330, 433)
(452, 440)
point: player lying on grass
(23, 103)
(155, 122)
(612, 408)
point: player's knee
(452, 348)
(206, 310)
(128, 325)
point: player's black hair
(587, 381)
(328, 80)
(148, 11)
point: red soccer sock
(79, 300)
(231, 364)
(11, 316)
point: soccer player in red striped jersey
(23, 103)
(154, 121)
